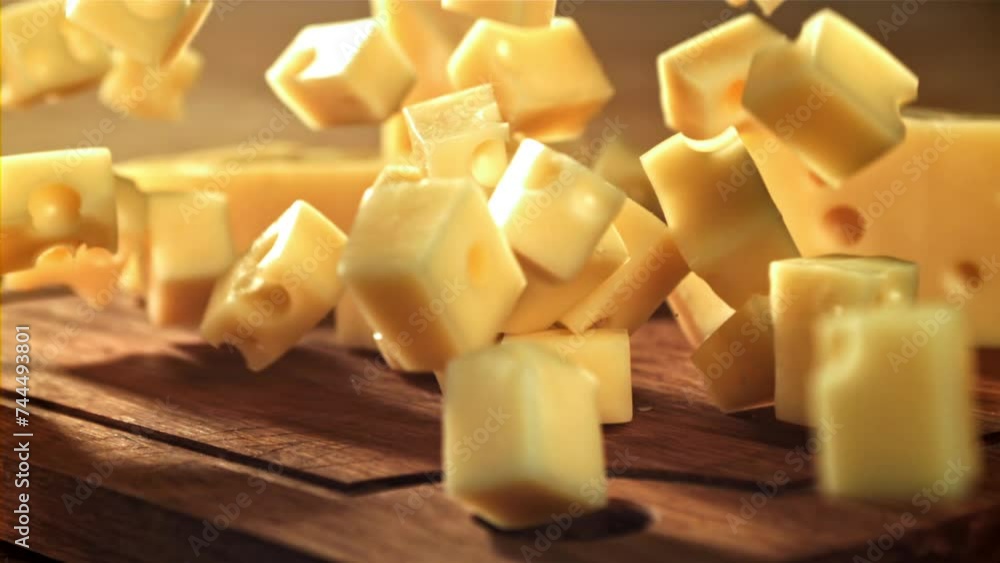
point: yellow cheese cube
(394, 139)
(605, 353)
(190, 248)
(43, 54)
(895, 391)
(632, 294)
(440, 282)
(737, 361)
(522, 436)
(619, 164)
(459, 134)
(552, 209)
(135, 89)
(546, 299)
(805, 289)
(92, 273)
(55, 198)
(151, 32)
(342, 73)
(701, 188)
(547, 80)
(350, 327)
(133, 237)
(525, 13)
(701, 79)
(698, 310)
(282, 287)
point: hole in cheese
(544, 173)
(845, 225)
(477, 264)
(487, 164)
(54, 209)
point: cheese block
(91, 273)
(280, 289)
(893, 400)
(441, 282)
(350, 327)
(704, 185)
(605, 353)
(805, 289)
(525, 13)
(43, 55)
(458, 135)
(547, 80)
(736, 362)
(342, 73)
(133, 89)
(552, 209)
(619, 164)
(701, 79)
(698, 310)
(148, 32)
(133, 237)
(394, 139)
(521, 436)
(632, 294)
(55, 198)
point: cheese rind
(698, 310)
(522, 436)
(162, 89)
(524, 13)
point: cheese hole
(54, 209)
(544, 173)
(487, 161)
(477, 264)
(844, 225)
(817, 180)
(270, 299)
(966, 276)
(734, 94)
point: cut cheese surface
(394, 139)
(698, 310)
(164, 100)
(350, 327)
(92, 273)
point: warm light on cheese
(342, 73)
(133, 237)
(805, 289)
(459, 135)
(394, 139)
(605, 353)
(619, 164)
(547, 80)
(55, 198)
(552, 209)
(149, 32)
(702, 187)
(135, 89)
(440, 282)
(698, 310)
(701, 79)
(898, 387)
(92, 273)
(282, 287)
(525, 13)
(350, 327)
(522, 436)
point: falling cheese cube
(45, 55)
(151, 32)
(522, 436)
(703, 186)
(806, 289)
(552, 209)
(619, 164)
(342, 73)
(698, 310)
(441, 281)
(701, 79)
(460, 134)
(546, 299)
(737, 361)
(632, 294)
(605, 353)
(135, 89)
(282, 287)
(92, 273)
(190, 248)
(547, 80)
(350, 327)
(894, 389)
(524, 13)
(55, 198)
(394, 139)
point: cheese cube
(632, 294)
(547, 80)
(698, 310)
(460, 134)
(805, 289)
(394, 139)
(737, 361)
(350, 327)
(525, 13)
(282, 287)
(133, 237)
(701, 187)
(552, 209)
(605, 353)
(897, 385)
(619, 164)
(522, 436)
(92, 273)
(151, 32)
(701, 79)
(440, 282)
(341, 73)
(134, 89)
(546, 299)
(190, 248)
(55, 198)
(45, 55)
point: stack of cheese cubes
(515, 273)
